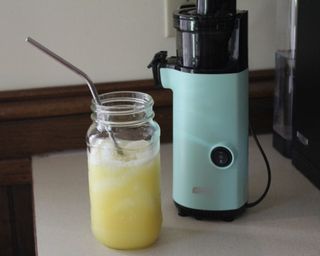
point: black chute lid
(216, 8)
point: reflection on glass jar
(124, 186)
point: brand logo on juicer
(201, 190)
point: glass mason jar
(124, 183)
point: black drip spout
(216, 8)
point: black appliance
(306, 96)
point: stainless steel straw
(79, 72)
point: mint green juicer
(209, 80)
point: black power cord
(252, 204)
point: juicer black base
(228, 215)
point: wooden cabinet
(16, 208)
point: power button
(221, 156)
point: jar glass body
(124, 185)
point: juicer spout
(159, 61)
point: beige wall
(110, 40)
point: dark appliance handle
(159, 61)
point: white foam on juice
(103, 152)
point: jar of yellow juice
(124, 171)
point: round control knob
(221, 156)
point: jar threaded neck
(123, 108)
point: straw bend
(67, 64)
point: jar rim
(143, 100)
(123, 108)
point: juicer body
(209, 80)
(211, 114)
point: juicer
(209, 80)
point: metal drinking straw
(79, 72)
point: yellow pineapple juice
(125, 194)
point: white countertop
(287, 222)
